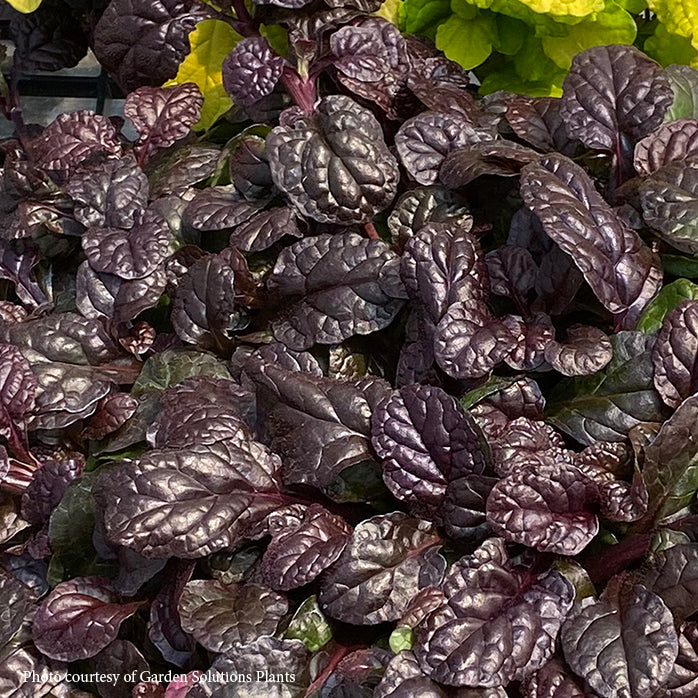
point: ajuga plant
(371, 389)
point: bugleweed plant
(372, 387)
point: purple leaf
(162, 115)
(209, 495)
(322, 425)
(221, 616)
(48, 486)
(671, 142)
(553, 680)
(251, 71)
(498, 622)
(673, 576)
(426, 441)
(204, 308)
(335, 168)
(424, 141)
(112, 413)
(512, 271)
(303, 547)
(442, 265)
(346, 285)
(624, 643)
(142, 42)
(423, 205)
(537, 121)
(130, 254)
(17, 660)
(71, 138)
(675, 354)
(18, 388)
(612, 97)
(532, 340)
(586, 350)
(264, 229)
(387, 561)
(575, 216)
(545, 508)
(109, 194)
(79, 618)
(501, 158)
(469, 342)
(219, 208)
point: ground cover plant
(372, 385)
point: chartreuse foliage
(527, 46)
(25, 6)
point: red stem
(371, 231)
(618, 557)
(340, 652)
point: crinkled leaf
(624, 644)
(207, 495)
(683, 81)
(388, 559)
(676, 140)
(16, 602)
(71, 138)
(109, 194)
(142, 42)
(264, 229)
(131, 254)
(20, 659)
(302, 548)
(501, 158)
(586, 350)
(418, 207)
(309, 625)
(79, 618)
(425, 140)
(537, 121)
(669, 199)
(469, 342)
(532, 340)
(607, 404)
(181, 166)
(675, 354)
(335, 168)
(673, 576)
(268, 655)
(671, 462)
(512, 271)
(497, 623)
(204, 307)
(612, 97)
(345, 285)
(321, 425)
(18, 388)
(426, 441)
(47, 487)
(575, 216)
(526, 443)
(162, 115)
(553, 680)
(220, 616)
(218, 208)
(443, 264)
(547, 508)
(251, 70)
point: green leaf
(70, 532)
(678, 17)
(172, 366)
(531, 63)
(511, 34)
(401, 639)
(684, 85)
(670, 49)
(481, 33)
(507, 79)
(671, 463)
(211, 41)
(277, 36)
(612, 26)
(25, 6)
(667, 299)
(490, 386)
(309, 625)
(606, 405)
(424, 16)
(633, 6)
(678, 265)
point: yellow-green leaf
(25, 6)
(670, 49)
(612, 26)
(678, 17)
(481, 33)
(211, 41)
(390, 10)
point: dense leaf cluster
(374, 385)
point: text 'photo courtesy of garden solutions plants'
(348, 349)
